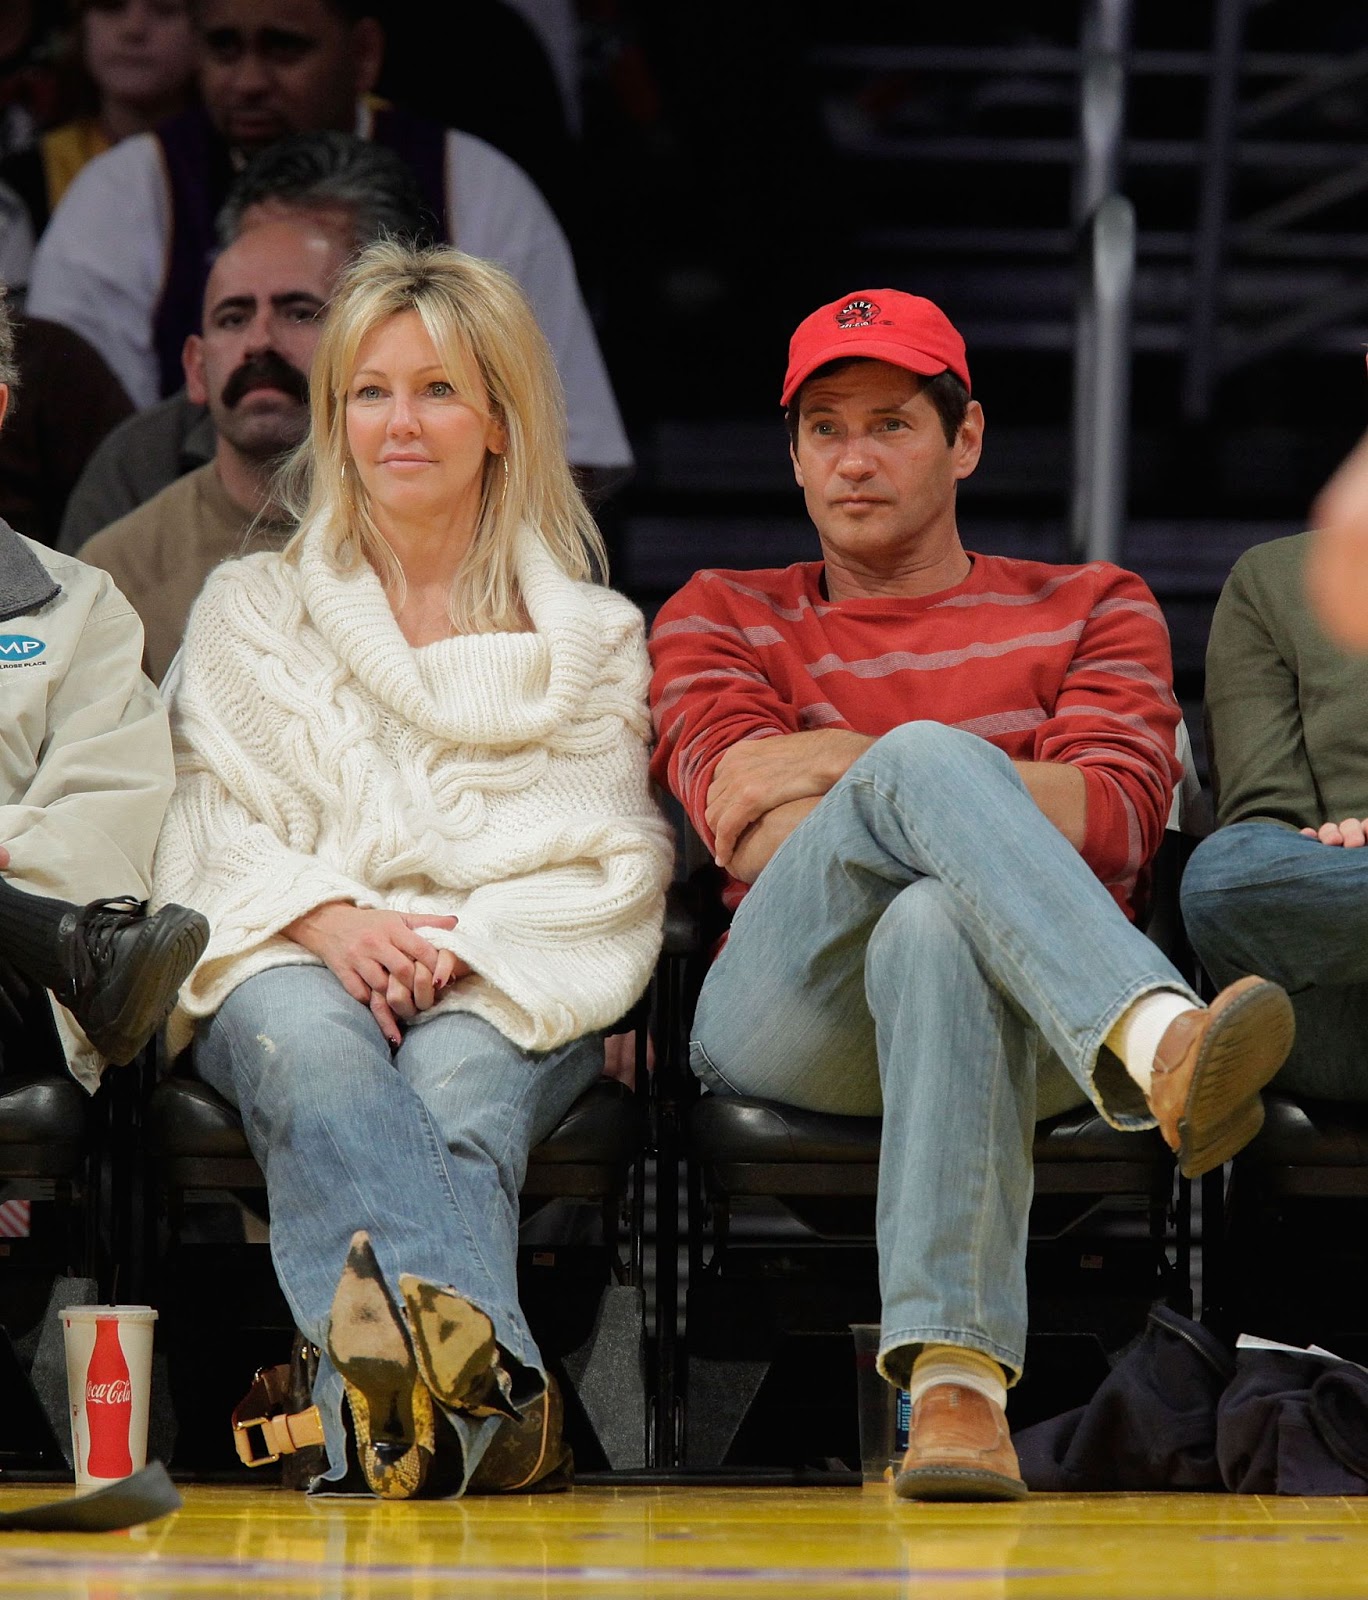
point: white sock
(1136, 1036)
(954, 1368)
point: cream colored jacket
(85, 752)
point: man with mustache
(262, 306)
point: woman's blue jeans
(1258, 897)
(927, 946)
(425, 1147)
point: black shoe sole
(164, 962)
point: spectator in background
(360, 189)
(262, 313)
(133, 66)
(71, 401)
(125, 255)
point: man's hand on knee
(758, 775)
(1349, 833)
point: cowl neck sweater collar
(502, 689)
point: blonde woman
(412, 801)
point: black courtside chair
(58, 1144)
(1291, 1261)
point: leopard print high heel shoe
(453, 1342)
(391, 1406)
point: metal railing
(1105, 220)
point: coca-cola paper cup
(109, 1383)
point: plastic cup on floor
(109, 1385)
(877, 1400)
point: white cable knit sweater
(500, 777)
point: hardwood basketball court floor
(712, 1543)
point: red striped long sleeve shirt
(1048, 663)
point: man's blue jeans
(425, 1147)
(1258, 897)
(926, 945)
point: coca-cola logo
(117, 1392)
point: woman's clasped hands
(381, 959)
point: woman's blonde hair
(498, 358)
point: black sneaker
(125, 970)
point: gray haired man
(353, 187)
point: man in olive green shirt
(1281, 888)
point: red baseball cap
(876, 325)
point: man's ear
(192, 364)
(368, 53)
(797, 470)
(4, 401)
(968, 445)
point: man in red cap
(944, 774)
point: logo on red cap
(902, 329)
(857, 314)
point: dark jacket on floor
(1179, 1411)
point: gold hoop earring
(503, 493)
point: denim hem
(1124, 1121)
(329, 1395)
(1012, 1361)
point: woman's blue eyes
(439, 389)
